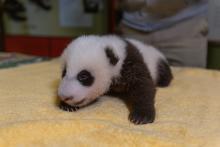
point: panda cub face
(75, 90)
(88, 68)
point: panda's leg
(141, 101)
(139, 93)
(164, 74)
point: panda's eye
(64, 72)
(85, 78)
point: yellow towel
(188, 113)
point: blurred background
(41, 29)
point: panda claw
(141, 118)
(75, 108)
(67, 107)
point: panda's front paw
(67, 107)
(142, 117)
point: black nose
(68, 98)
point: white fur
(88, 52)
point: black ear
(113, 59)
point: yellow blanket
(188, 113)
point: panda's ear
(113, 59)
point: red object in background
(57, 45)
(28, 45)
(39, 46)
(111, 15)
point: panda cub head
(89, 65)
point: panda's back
(154, 60)
(151, 57)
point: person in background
(178, 28)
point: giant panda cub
(94, 66)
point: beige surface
(188, 113)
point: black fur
(111, 56)
(85, 78)
(135, 87)
(164, 74)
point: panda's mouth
(75, 104)
(80, 102)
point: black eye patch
(85, 78)
(64, 72)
